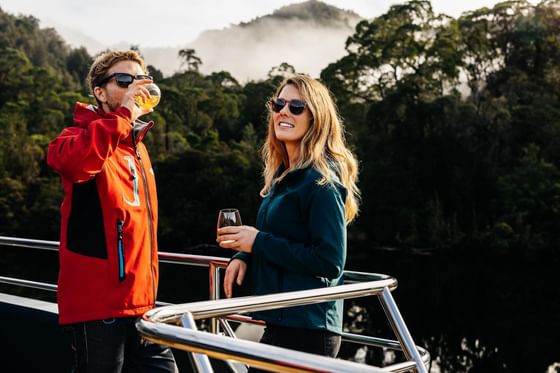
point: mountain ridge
(307, 35)
(311, 10)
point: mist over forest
(306, 35)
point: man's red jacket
(108, 245)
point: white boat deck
(35, 304)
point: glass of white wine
(149, 103)
(227, 218)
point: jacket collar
(84, 114)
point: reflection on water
(471, 356)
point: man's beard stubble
(113, 107)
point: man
(108, 247)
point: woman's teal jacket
(301, 245)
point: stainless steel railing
(174, 325)
(178, 317)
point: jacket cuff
(242, 256)
(125, 113)
(259, 242)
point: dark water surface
(474, 312)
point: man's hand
(136, 88)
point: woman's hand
(240, 238)
(235, 272)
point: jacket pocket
(85, 234)
(120, 250)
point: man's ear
(99, 94)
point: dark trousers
(114, 346)
(319, 342)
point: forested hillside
(456, 124)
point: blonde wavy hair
(323, 147)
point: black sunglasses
(123, 80)
(296, 106)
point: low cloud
(308, 36)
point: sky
(173, 23)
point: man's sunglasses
(123, 80)
(296, 106)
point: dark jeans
(320, 342)
(114, 346)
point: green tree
(192, 61)
(529, 204)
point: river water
(473, 311)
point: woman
(310, 195)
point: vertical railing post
(214, 277)
(201, 362)
(400, 329)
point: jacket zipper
(149, 212)
(120, 250)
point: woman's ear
(99, 94)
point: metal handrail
(164, 257)
(27, 283)
(155, 325)
(275, 357)
(224, 307)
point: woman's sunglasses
(296, 106)
(123, 80)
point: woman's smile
(286, 125)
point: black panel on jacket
(85, 234)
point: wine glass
(149, 103)
(228, 217)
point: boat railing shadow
(175, 325)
